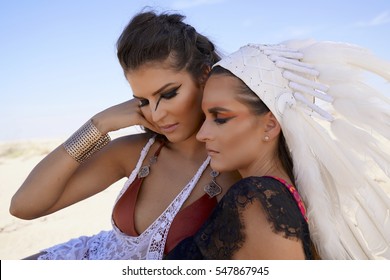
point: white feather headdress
(337, 128)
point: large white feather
(350, 217)
(353, 154)
(314, 189)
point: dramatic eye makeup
(168, 95)
(163, 95)
(222, 119)
(142, 102)
(221, 115)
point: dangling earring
(266, 138)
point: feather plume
(349, 215)
(313, 190)
(358, 140)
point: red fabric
(186, 223)
(123, 213)
(189, 220)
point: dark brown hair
(257, 106)
(151, 37)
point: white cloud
(381, 19)
(185, 4)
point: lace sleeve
(224, 232)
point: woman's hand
(120, 116)
(59, 181)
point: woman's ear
(271, 126)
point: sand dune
(21, 238)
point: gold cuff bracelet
(85, 141)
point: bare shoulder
(126, 150)
(130, 143)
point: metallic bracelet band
(85, 141)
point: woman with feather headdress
(310, 138)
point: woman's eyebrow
(157, 91)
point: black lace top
(224, 232)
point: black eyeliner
(223, 120)
(163, 95)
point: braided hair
(151, 37)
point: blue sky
(58, 63)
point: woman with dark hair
(171, 189)
(297, 120)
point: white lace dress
(116, 245)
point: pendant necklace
(145, 170)
(212, 188)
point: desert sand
(21, 238)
